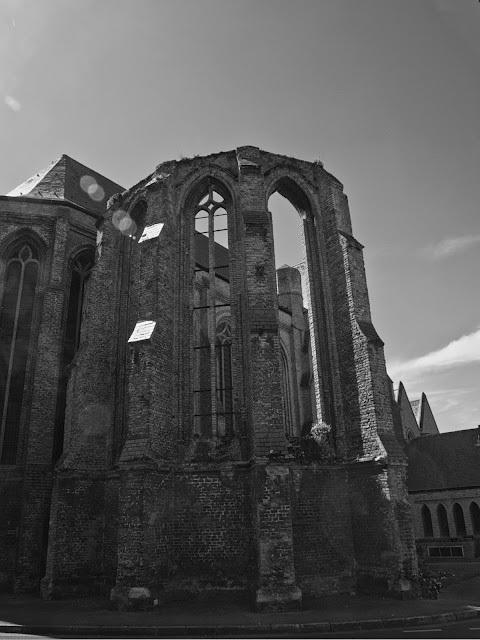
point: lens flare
(123, 222)
(91, 186)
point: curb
(242, 629)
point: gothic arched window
(427, 522)
(443, 521)
(80, 272)
(15, 328)
(138, 217)
(459, 520)
(213, 389)
(475, 517)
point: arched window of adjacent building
(410, 436)
(79, 274)
(443, 521)
(286, 391)
(213, 385)
(138, 217)
(15, 333)
(459, 520)
(475, 517)
(427, 522)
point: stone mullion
(321, 370)
(212, 300)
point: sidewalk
(87, 617)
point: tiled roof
(444, 461)
(67, 179)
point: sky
(385, 93)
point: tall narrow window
(213, 388)
(459, 520)
(290, 210)
(138, 217)
(427, 522)
(443, 521)
(15, 329)
(475, 517)
(80, 273)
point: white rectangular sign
(143, 331)
(153, 231)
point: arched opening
(16, 316)
(475, 517)
(443, 521)
(459, 520)
(427, 522)
(80, 272)
(288, 207)
(212, 339)
(138, 217)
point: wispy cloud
(461, 351)
(450, 246)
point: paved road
(463, 629)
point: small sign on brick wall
(143, 331)
(153, 231)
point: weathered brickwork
(189, 461)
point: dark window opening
(443, 521)
(138, 217)
(427, 522)
(80, 273)
(475, 517)
(459, 520)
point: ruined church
(176, 414)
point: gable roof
(221, 256)
(427, 422)
(444, 461)
(67, 179)
(409, 420)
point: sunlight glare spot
(12, 103)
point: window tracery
(16, 316)
(213, 387)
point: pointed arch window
(459, 520)
(443, 521)
(475, 517)
(80, 272)
(213, 386)
(138, 218)
(427, 522)
(16, 316)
